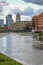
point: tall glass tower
(9, 19)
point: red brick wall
(38, 22)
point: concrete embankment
(39, 38)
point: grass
(5, 60)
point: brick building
(38, 22)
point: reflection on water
(21, 48)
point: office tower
(18, 17)
(1, 22)
(9, 20)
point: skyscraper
(1, 22)
(9, 20)
(18, 17)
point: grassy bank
(4, 31)
(4, 60)
(14, 31)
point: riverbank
(26, 33)
(3, 34)
(5, 60)
(39, 38)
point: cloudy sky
(27, 8)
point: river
(21, 48)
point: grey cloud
(2, 4)
(39, 11)
(28, 11)
(39, 2)
(15, 11)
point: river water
(21, 48)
